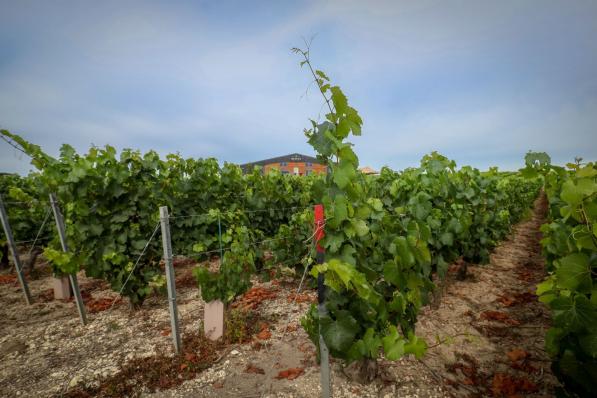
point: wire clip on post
(326, 388)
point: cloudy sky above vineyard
(481, 82)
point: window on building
(283, 164)
(284, 171)
(309, 164)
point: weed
(240, 326)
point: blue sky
(481, 82)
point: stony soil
(486, 338)
(487, 332)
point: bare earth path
(486, 338)
(498, 323)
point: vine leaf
(339, 334)
(393, 344)
(415, 346)
(319, 138)
(574, 313)
(573, 272)
(372, 343)
(343, 173)
(588, 343)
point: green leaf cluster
(26, 204)
(290, 250)
(110, 202)
(466, 211)
(234, 271)
(386, 234)
(570, 247)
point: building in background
(295, 163)
(368, 171)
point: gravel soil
(485, 335)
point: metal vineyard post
(13, 250)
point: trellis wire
(242, 211)
(37, 236)
(221, 250)
(289, 261)
(275, 209)
(309, 254)
(65, 384)
(155, 230)
(20, 242)
(22, 202)
(268, 305)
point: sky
(482, 82)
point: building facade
(294, 163)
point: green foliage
(110, 207)
(290, 250)
(65, 263)
(310, 322)
(570, 247)
(240, 326)
(537, 159)
(235, 270)
(536, 163)
(26, 204)
(272, 199)
(110, 202)
(385, 235)
(467, 212)
(38, 157)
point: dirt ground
(485, 333)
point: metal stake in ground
(326, 385)
(14, 252)
(71, 277)
(170, 277)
